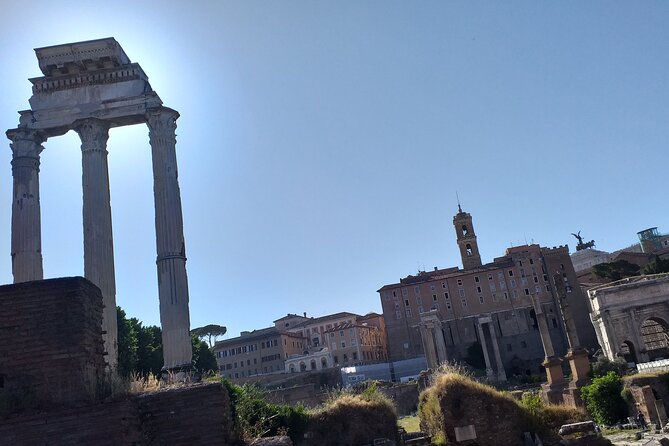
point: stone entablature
(629, 314)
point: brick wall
(193, 415)
(51, 346)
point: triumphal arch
(631, 317)
(90, 87)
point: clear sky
(321, 144)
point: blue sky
(321, 144)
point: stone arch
(292, 368)
(313, 364)
(655, 338)
(628, 352)
(324, 363)
(303, 366)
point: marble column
(484, 346)
(26, 220)
(170, 245)
(428, 346)
(501, 373)
(98, 239)
(441, 344)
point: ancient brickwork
(192, 415)
(50, 342)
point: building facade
(299, 343)
(489, 307)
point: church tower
(469, 249)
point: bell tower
(466, 237)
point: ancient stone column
(501, 373)
(484, 346)
(98, 238)
(26, 221)
(428, 346)
(170, 245)
(441, 344)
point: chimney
(305, 314)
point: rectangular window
(459, 282)
(494, 297)
(493, 288)
(502, 285)
(448, 305)
(476, 279)
(404, 292)
(446, 295)
(443, 284)
(398, 314)
(536, 279)
(512, 282)
(527, 291)
(548, 288)
(432, 287)
(341, 333)
(408, 312)
(510, 273)
(343, 344)
(489, 276)
(354, 341)
(514, 293)
(462, 292)
(479, 290)
(334, 346)
(464, 303)
(523, 280)
(406, 302)
(506, 295)
(481, 299)
(434, 297)
(531, 261)
(416, 290)
(537, 289)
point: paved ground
(626, 438)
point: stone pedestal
(580, 366)
(552, 391)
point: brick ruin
(52, 366)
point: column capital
(162, 120)
(26, 143)
(93, 133)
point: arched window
(313, 364)
(469, 250)
(292, 368)
(324, 363)
(465, 231)
(303, 367)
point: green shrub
(603, 399)
(255, 417)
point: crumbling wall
(51, 345)
(182, 416)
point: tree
(149, 349)
(616, 270)
(203, 358)
(127, 344)
(657, 266)
(475, 356)
(603, 399)
(209, 331)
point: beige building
(487, 307)
(299, 343)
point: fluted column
(484, 346)
(501, 373)
(98, 239)
(428, 346)
(26, 220)
(441, 344)
(171, 259)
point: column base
(554, 374)
(580, 366)
(180, 374)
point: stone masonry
(51, 350)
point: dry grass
(454, 399)
(347, 419)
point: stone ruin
(58, 340)
(90, 87)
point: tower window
(465, 231)
(469, 250)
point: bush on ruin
(603, 399)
